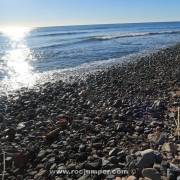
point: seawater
(36, 54)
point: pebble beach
(124, 117)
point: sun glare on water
(17, 58)
(15, 33)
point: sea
(33, 56)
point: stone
(158, 157)
(173, 171)
(32, 173)
(147, 159)
(82, 148)
(53, 166)
(177, 93)
(8, 158)
(51, 160)
(11, 133)
(21, 126)
(71, 166)
(20, 160)
(169, 147)
(110, 177)
(118, 178)
(178, 147)
(151, 173)
(171, 114)
(113, 152)
(97, 145)
(52, 135)
(84, 177)
(129, 158)
(157, 138)
(41, 154)
(93, 165)
(157, 167)
(104, 162)
(63, 122)
(81, 156)
(41, 173)
(131, 178)
(113, 159)
(1, 118)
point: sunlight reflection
(17, 58)
(15, 33)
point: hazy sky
(68, 12)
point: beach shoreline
(104, 122)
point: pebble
(151, 173)
(147, 159)
(169, 147)
(101, 121)
(40, 174)
(41, 154)
(113, 152)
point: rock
(63, 122)
(131, 178)
(110, 177)
(41, 154)
(151, 173)
(113, 152)
(118, 178)
(82, 148)
(173, 172)
(11, 133)
(158, 104)
(113, 159)
(84, 177)
(129, 158)
(178, 147)
(164, 167)
(171, 114)
(1, 118)
(147, 159)
(177, 93)
(20, 126)
(93, 165)
(169, 147)
(20, 160)
(8, 161)
(158, 157)
(32, 173)
(104, 162)
(71, 166)
(53, 166)
(97, 145)
(49, 137)
(81, 156)
(41, 173)
(51, 160)
(146, 152)
(8, 158)
(157, 167)
(157, 138)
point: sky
(73, 12)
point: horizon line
(113, 23)
(140, 22)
